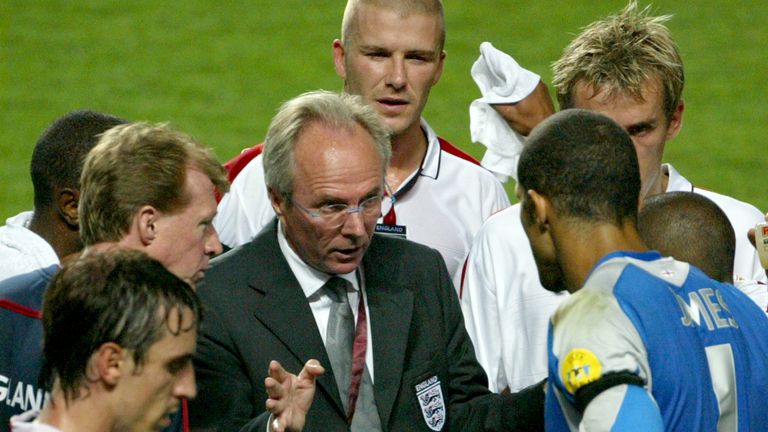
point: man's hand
(523, 116)
(290, 396)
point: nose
(186, 387)
(354, 224)
(213, 244)
(396, 76)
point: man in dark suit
(408, 364)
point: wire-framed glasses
(334, 215)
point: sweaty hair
(585, 164)
(692, 228)
(57, 159)
(404, 8)
(119, 296)
(338, 110)
(620, 53)
(136, 165)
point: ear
(109, 363)
(439, 71)
(338, 59)
(541, 209)
(676, 121)
(66, 205)
(145, 223)
(277, 200)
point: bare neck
(84, 414)
(657, 185)
(64, 239)
(408, 150)
(581, 245)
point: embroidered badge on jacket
(430, 396)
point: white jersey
(27, 422)
(506, 309)
(441, 205)
(21, 250)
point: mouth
(392, 104)
(346, 255)
(166, 420)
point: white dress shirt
(311, 282)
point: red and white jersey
(506, 310)
(442, 204)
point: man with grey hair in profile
(318, 283)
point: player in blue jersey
(644, 342)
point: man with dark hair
(115, 367)
(644, 342)
(39, 239)
(691, 228)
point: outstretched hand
(290, 396)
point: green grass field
(220, 72)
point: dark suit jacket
(256, 312)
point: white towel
(501, 80)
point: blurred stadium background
(219, 70)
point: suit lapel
(390, 304)
(283, 305)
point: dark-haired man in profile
(39, 239)
(644, 342)
(692, 228)
(116, 368)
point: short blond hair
(134, 165)
(403, 7)
(620, 53)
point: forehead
(328, 155)
(200, 192)
(179, 336)
(383, 27)
(621, 106)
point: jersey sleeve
(246, 208)
(594, 346)
(624, 407)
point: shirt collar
(675, 182)
(431, 165)
(310, 279)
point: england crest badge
(430, 396)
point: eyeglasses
(336, 214)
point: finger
(751, 235)
(273, 387)
(277, 372)
(311, 370)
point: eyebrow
(419, 52)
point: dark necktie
(339, 339)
